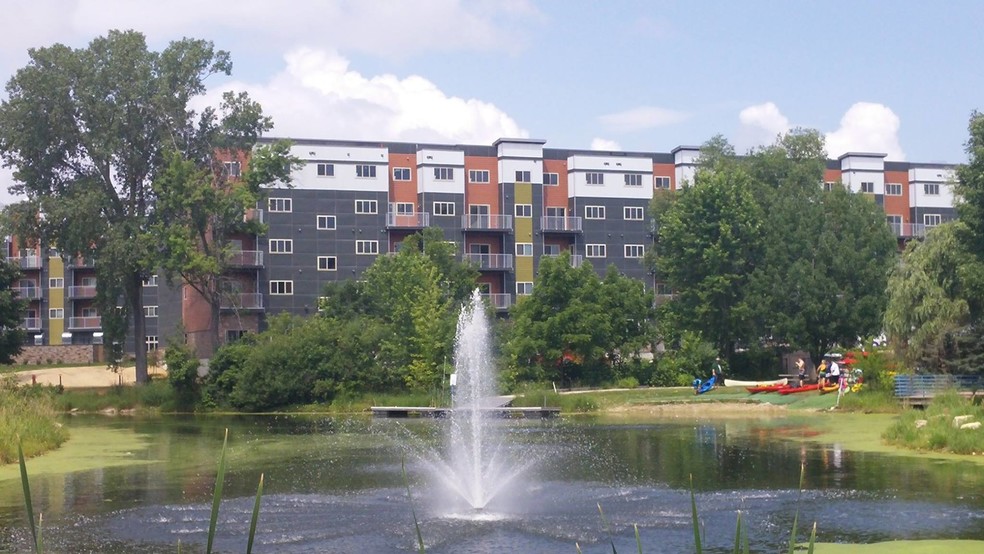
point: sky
(900, 78)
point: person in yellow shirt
(822, 373)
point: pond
(336, 485)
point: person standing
(718, 372)
(801, 371)
(834, 373)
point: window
(150, 311)
(56, 313)
(524, 210)
(595, 250)
(932, 189)
(401, 173)
(367, 247)
(524, 288)
(828, 186)
(444, 174)
(89, 312)
(152, 342)
(524, 248)
(326, 223)
(478, 176)
(232, 335)
(150, 281)
(232, 169)
(633, 213)
(893, 189)
(594, 178)
(661, 182)
(594, 212)
(364, 170)
(283, 205)
(662, 289)
(59, 283)
(404, 208)
(633, 180)
(634, 250)
(281, 246)
(523, 177)
(326, 170)
(327, 263)
(556, 212)
(867, 187)
(443, 208)
(366, 207)
(932, 220)
(282, 288)
(551, 179)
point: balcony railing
(27, 293)
(560, 224)
(79, 261)
(576, 259)
(29, 262)
(491, 262)
(242, 301)
(487, 222)
(31, 323)
(909, 230)
(253, 214)
(246, 258)
(501, 301)
(82, 291)
(417, 220)
(84, 323)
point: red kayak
(767, 388)
(804, 388)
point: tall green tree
(12, 308)
(710, 242)
(925, 303)
(87, 132)
(970, 191)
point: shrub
(182, 372)
(692, 358)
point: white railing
(502, 262)
(246, 258)
(576, 259)
(253, 214)
(94, 322)
(242, 301)
(499, 300)
(27, 293)
(82, 291)
(560, 224)
(31, 323)
(907, 230)
(29, 262)
(486, 222)
(416, 220)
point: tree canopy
(11, 313)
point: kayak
(737, 383)
(793, 390)
(702, 387)
(829, 388)
(767, 388)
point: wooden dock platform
(426, 411)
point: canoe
(829, 388)
(737, 383)
(793, 390)
(767, 388)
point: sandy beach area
(82, 377)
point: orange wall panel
(403, 191)
(898, 205)
(483, 193)
(556, 196)
(666, 170)
(832, 175)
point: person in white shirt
(834, 373)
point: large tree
(11, 312)
(87, 131)
(970, 208)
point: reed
(217, 495)
(413, 512)
(28, 422)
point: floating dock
(424, 411)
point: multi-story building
(505, 205)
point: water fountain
(477, 464)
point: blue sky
(896, 77)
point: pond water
(336, 485)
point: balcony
(490, 262)
(84, 323)
(31, 323)
(27, 293)
(78, 292)
(243, 301)
(396, 220)
(560, 224)
(79, 261)
(576, 259)
(487, 222)
(501, 301)
(29, 262)
(909, 230)
(245, 258)
(253, 215)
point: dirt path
(82, 377)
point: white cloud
(319, 96)
(867, 127)
(604, 144)
(760, 124)
(641, 118)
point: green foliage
(182, 370)
(12, 311)
(970, 189)
(939, 433)
(28, 418)
(692, 357)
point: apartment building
(506, 206)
